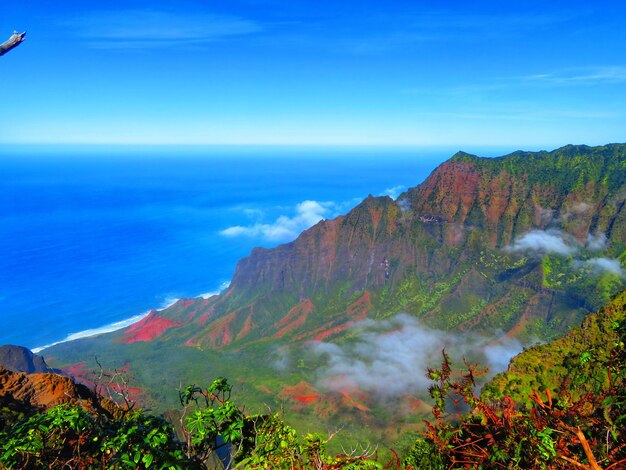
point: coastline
(120, 325)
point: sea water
(92, 239)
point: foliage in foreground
(556, 433)
(582, 424)
(216, 434)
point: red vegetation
(149, 328)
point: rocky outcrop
(24, 394)
(21, 359)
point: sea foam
(168, 302)
(96, 331)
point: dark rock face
(20, 359)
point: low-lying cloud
(390, 358)
(545, 241)
(394, 192)
(285, 228)
(555, 241)
(596, 242)
(405, 204)
(602, 265)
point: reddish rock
(40, 391)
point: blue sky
(524, 74)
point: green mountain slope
(577, 362)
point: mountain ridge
(467, 204)
(517, 247)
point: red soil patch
(306, 399)
(295, 318)
(531, 305)
(350, 401)
(361, 306)
(188, 303)
(77, 370)
(149, 328)
(220, 332)
(203, 319)
(327, 331)
(247, 327)
(302, 392)
(266, 390)
(331, 332)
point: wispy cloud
(285, 228)
(548, 241)
(596, 242)
(390, 357)
(152, 28)
(394, 192)
(422, 27)
(585, 76)
(555, 241)
(601, 265)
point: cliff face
(579, 189)
(444, 251)
(20, 359)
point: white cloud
(285, 228)
(596, 242)
(404, 204)
(394, 192)
(140, 29)
(586, 76)
(576, 210)
(548, 241)
(600, 265)
(389, 358)
(499, 353)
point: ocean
(91, 240)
